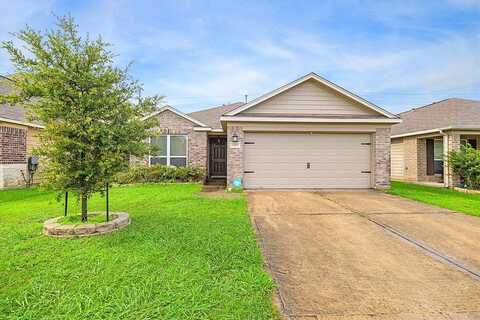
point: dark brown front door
(218, 157)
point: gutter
(27, 124)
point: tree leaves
(91, 109)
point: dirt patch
(339, 265)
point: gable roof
(449, 113)
(211, 116)
(177, 112)
(323, 81)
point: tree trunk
(84, 208)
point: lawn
(441, 197)
(183, 257)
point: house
(18, 137)
(427, 134)
(309, 133)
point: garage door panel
(279, 160)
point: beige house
(309, 133)
(421, 143)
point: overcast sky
(397, 54)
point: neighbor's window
(438, 150)
(438, 156)
(171, 150)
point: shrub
(466, 164)
(159, 174)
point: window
(171, 150)
(471, 142)
(438, 150)
(438, 156)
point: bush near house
(466, 164)
(159, 174)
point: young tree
(92, 110)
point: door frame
(210, 161)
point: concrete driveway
(367, 255)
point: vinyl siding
(398, 160)
(310, 98)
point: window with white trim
(171, 150)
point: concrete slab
(291, 202)
(377, 202)
(456, 235)
(340, 265)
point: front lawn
(183, 257)
(441, 197)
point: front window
(171, 150)
(438, 156)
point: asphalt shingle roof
(211, 116)
(453, 112)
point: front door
(218, 157)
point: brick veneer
(13, 145)
(171, 123)
(381, 150)
(234, 153)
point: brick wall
(13, 145)
(234, 153)
(382, 158)
(171, 123)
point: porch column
(450, 142)
(234, 153)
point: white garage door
(298, 160)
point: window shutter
(430, 165)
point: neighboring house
(18, 137)
(309, 133)
(421, 143)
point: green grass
(441, 197)
(183, 257)
(77, 219)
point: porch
(426, 156)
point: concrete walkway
(368, 255)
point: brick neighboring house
(18, 137)
(309, 133)
(421, 143)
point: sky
(396, 54)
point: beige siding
(279, 160)
(398, 160)
(310, 98)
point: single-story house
(422, 141)
(309, 133)
(18, 137)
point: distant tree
(91, 109)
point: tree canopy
(92, 110)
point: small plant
(159, 174)
(466, 164)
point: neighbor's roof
(13, 113)
(211, 116)
(448, 113)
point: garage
(307, 160)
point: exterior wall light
(235, 137)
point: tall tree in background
(92, 110)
